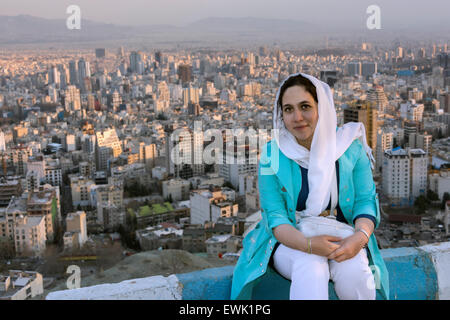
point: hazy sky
(181, 12)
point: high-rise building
(73, 71)
(72, 98)
(385, 141)
(354, 68)
(53, 75)
(185, 73)
(420, 141)
(404, 175)
(84, 69)
(184, 155)
(147, 155)
(35, 172)
(368, 68)
(377, 98)
(2, 141)
(137, 62)
(191, 95)
(365, 113)
(107, 146)
(159, 57)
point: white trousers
(310, 274)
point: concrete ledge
(151, 288)
(421, 273)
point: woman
(310, 169)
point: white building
(440, 183)
(209, 205)
(411, 111)
(2, 141)
(404, 175)
(53, 173)
(419, 173)
(385, 141)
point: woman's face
(300, 114)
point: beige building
(177, 189)
(29, 235)
(147, 155)
(76, 230)
(368, 115)
(209, 205)
(21, 285)
(109, 202)
(17, 207)
(80, 187)
(40, 204)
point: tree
(421, 203)
(432, 196)
(445, 198)
(7, 250)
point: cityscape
(94, 174)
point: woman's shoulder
(354, 150)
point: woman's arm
(294, 239)
(290, 237)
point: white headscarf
(326, 147)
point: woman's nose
(298, 115)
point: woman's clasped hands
(335, 248)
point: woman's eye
(306, 106)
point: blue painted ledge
(421, 273)
(413, 275)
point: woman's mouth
(300, 127)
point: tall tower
(362, 111)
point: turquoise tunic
(279, 182)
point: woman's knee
(353, 281)
(311, 269)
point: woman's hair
(298, 80)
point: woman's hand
(349, 247)
(324, 245)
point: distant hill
(216, 31)
(29, 29)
